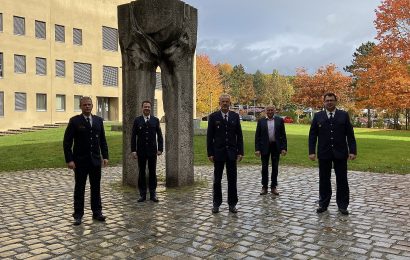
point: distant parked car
(287, 119)
(248, 118)
(205, 118)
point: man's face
(86, 106)
(330, 103)
(225, 103)
(270, 111)
(146, 109)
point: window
(40, 28)
(158, 81)
(155, 107)
(60, 102)
(41, 66)
(1, 22)
(41, 102)
(77, 36)
(1, 103)
(19, 63)
(77, 103)
(82, 73)
(110, 38)
(110, 76)
(20, 101)
(60, 68)
(1, 64)
(60, 33)
(19, 25)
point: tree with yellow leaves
(208, 86)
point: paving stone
(37, 224)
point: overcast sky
(283, 34)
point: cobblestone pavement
(36, 222)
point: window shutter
(82, 73)
(110, 76)
(77, 36)
(41, 66)
(60, 33)
(1, 103)
(40, 30)
(110, 38)
(60, 68)
(19, 25)
(20, 101)
(19, 63)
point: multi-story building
(52, 52)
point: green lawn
(379, 150)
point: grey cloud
(283, 34)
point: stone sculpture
(160, 33)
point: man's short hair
(329, 94)
(224, 95)
(146, 101)
(83, 98)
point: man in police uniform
(87, 133)
(333, 132)
(225, 146)
(145, 132)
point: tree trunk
(369, 119)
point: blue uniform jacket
(89, 142)
(144, 137)
(334, 140)
(224, 139)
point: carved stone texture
(160, 33)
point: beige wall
(87, 15)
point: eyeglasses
(330, 100)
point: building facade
(53, 52)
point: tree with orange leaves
(208, 86)
(384, 84)
(309, 89)
(393, 28)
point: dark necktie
(146, 120)
(331, 116)
(226, 118)
(89, 122)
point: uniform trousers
(152, 175)
(81, 173)
(231, 172)
(325, 186)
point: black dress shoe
(154, 199)
(264, 191)
(274, 191)
(215, 210)
(99, 217)
(321, 210)
(233, 209)
(142, 199)
(344, 211)
(77, 221)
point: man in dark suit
(333, 132)
(270, 141)
(145, 132)
(87, 133)
(224, 146)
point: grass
(378, 150)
